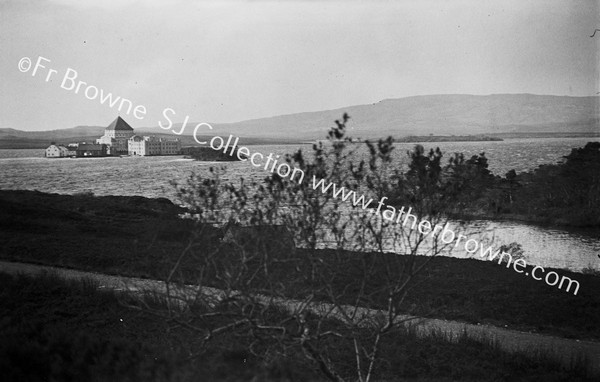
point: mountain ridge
(439, 114)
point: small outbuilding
(72, 149)
(91, 150)
(56, 151)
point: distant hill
(438, 115)
(39, 143)
(401, 117)
(59, 135)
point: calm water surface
(151, 177)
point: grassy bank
(70, 331)
(143, 237)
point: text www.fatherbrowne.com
(447, 236)
(285, 171)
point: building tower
(116, 136)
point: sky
(229, 61)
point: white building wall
(153, 146)
(136, 146)
(52, 152)
(56, 151)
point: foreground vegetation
(137, 236)
(239, 238)
(566, 193)
(70, 331)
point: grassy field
(70, 331)
(142, 237)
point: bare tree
(341, 281)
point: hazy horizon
(175, 122)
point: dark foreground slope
(143, 237)
(70, 331)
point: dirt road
(563, 349)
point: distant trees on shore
(566, 193)
(291, 300)
(318, 310)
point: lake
(151, 177)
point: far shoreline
(25, 143)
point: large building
(116, 137)
(120, 139)
(144, 146)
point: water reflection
(151, 177)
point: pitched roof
(119, 124)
